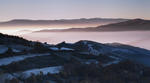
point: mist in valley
(135, 38)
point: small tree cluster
(39, 47)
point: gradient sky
(69, 9)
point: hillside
(131, 25)
(16, 46)
(80, 62)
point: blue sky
(70, 9)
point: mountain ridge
(129, 25)
(83, 22)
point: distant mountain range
(83, 22)
(129, 25)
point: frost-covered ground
(61, 49)
(45, 71)
(110, 63)
(8, 60)
(28, 73)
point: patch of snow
(54, 48)
(114, 57)
(15, 50)
(110, 63)
(92, 50)
(28, 73)
(91, 61)
(6, 61)
(61, 49)
(67, 49)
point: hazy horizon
(13, 26)
(69, 9)
(73, 9)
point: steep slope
(10, 40)
(15, 46)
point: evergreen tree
(9, 52)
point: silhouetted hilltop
(134, 22)
(9, 39)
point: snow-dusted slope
(6, 61)
(45, 71)
(28, 73)
(115, 49)
(61, 49)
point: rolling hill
(86, 61)
(130, 25)
(83, 22)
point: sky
(73, 9)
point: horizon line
(73, 18)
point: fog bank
(135, 38)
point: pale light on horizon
(73, 9)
